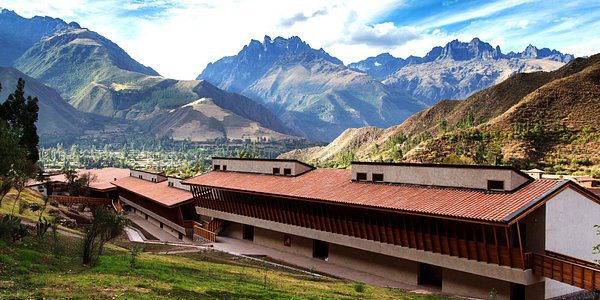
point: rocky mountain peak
(475, 49)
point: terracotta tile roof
(102, 182)
(158, 192)
(336, 186)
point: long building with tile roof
(466, 230)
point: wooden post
(520, 244)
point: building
(100, 186)
(161, 200)
(465, 230)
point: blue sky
(179, 37)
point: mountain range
(277, 88)
(312, 91)
(540, 119)
(458, 69)
(99, 78)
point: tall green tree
(21, 114)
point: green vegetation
(183, 158)
(29, 270)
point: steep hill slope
(543, 119)
(56, 116)
(313, 92)
(17, 34)
(458, 69)
(70, 59)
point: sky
(178, 38)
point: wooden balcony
(566, 269)
(493, 244)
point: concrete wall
(299, 245)
(401, 270)
(465, 284)
(440, 175)
(147, 176)
(176, 183)
(570, 220)
(535, 230)
(260, 166)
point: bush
(11, 228)
(359, 287)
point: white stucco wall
(147, 176)
(570, 220)
(441, 175)
(260, 166)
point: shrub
(11, 227)
(106, 225)
(359, 287)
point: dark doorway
(517, 291)
(248, 233)
(320, 250)
(430, 275)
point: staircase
(207, 231)
(573, 271)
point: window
(378, 177)
(224, 168)
(216, 167)
(287, 240)
(495, 185)
(276, 171)
(361, 176)
(170, 184)
(287, 171)
(140, 176)
(153, 179)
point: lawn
(52, 269)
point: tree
(106, 225)
(21, 114)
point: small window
(276, 171)
(287, 171)
(378, 177)
(224, 168)
(140, 176)
(495, 185)
(361, 176)
(216, 167)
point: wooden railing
(576, 272)
(214, 225)
(117, 206)
(86, 200)
(205, 234)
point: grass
(32, 270)
(29, 196)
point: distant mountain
(96, 76)
(311, 91)
(204, 120)
(56, 116)
(18, 34)
(540, 119)
(458, 69)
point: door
(248, 233)
(320, 250)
